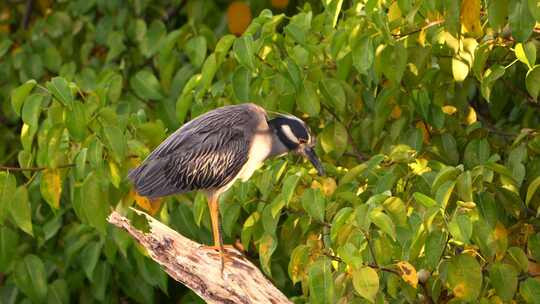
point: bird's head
(295, 135)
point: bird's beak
(310, 154)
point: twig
(359, 156)
(430, 24)
(27, 13)
(530, 100)
(199, 268)
(372, 265)
(10, 168)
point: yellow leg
(213, 205)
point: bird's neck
(278, 147)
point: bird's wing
(207, 153)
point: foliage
(427, 119)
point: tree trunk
(199, 268)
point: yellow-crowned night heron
(212, 151)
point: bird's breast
(259, 151)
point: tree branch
(199, 268)
(9, 168)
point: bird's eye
(302, 140)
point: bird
(212, 151)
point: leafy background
(427, 119)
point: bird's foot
(225, 255)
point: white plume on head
(289, 133)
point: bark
(199, 268)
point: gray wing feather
(206, 153)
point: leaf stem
(10, 168)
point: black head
(296, 136)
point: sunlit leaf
(366, 283)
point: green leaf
(32, 109)
(58, 292)
(20, 210)
(30, 278)
(321, 282)
(244, 52)
(9, 241)
(334, 139)
(289, 186)
(505, 280)
(89, 258)
(464, 277)
(94, 208)
(146, 85)
(267, 246)
(461, 228)
(424, 199)
(444, 192)
(117, 142)
(241, 80)
(366, 283)
(464, 186)
(51, 187)
(297, 263)
(530, 291)
(60, 89)
(531, 190)
(8, 184)
(532, 81)
(76, 121)
(208, 71)
(534, 7)
(314, 203)
(497, 13)
(199, 208)
(490, 76)
(392, 61)
(519, 258)
(223, 46)
(333, 91)
(5, 45)
(520, 19)
(308, 99)
(384, 222)
(434, 248)
(19, 94)
(526, 53)
(397, 210)
(363, 54)
(196, 50)
(533, 244)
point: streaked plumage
(210, 152)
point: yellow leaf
(471, 116)
(394, 12)
(460, 69)
(499, 232)
(408, 273)
(51, 187)
(449, 110)
(328, 186)
(470, 17)
(115, 174)
(149, 205)
(396, 112)
(425, 133)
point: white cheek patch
(289, 133)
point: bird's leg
(213, 205)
